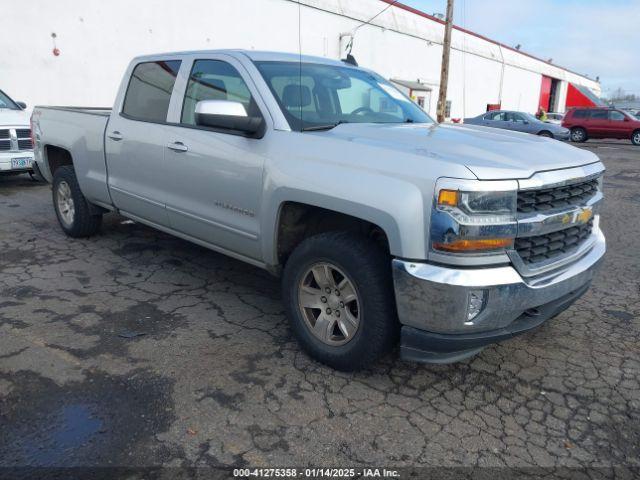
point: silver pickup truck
(384, 225)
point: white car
(16, 145)
(555, 118)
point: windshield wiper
(328, 126)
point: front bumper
(6, 157)
(433, 302)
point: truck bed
(80, 131)
(102, 111)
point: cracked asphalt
(134, 348)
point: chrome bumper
(435, 299)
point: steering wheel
(361, 110)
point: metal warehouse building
(74, 52)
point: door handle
(115, 135)
(178, 147)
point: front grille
(15, 139)
(530, 201)
(25, 144)
(544, 247)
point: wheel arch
(297, 221)
(397, 221)
(55, 157)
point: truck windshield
(6, 102)
(317, 96)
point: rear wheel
(578, 135)
(635, 137)
(72, 209)
(339, 298)
(545, 133)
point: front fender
(396, 206)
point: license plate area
(21, 162)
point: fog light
(475, 305)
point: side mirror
(22, 105)
(228, 115)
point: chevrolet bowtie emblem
(584, 216)
(579, 217)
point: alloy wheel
(66, 207)
(329, 303)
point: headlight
(476, 217)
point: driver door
(213, 185)
(518, 123)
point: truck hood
(489, 153)
(14, 117)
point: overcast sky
(594, 37)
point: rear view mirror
(338, 82)
(228, 115)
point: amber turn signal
(448, 197)
(474, 245)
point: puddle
(103, 420)
(71, 428)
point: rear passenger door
(135, 141)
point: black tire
(368, 268)
(578, 135)
(635, 137)
(83, 223)
(545, 133)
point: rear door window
(149, 91)
(497, 116)
(581, 114)
(599, 115)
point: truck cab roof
(254, 55)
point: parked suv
(585, 123)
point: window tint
(215, 80)
(599, 115)
(149, 90)
(616, 116)
(581, 114)
(499, 117)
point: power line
(376, 15)
(368, 22)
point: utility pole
(444, 71)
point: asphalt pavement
(134, 348)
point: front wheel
(546, 134)
(72, 209)
(339, 298)
(578, 135)
(635, 137)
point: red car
(585, 123)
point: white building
(74, 52)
